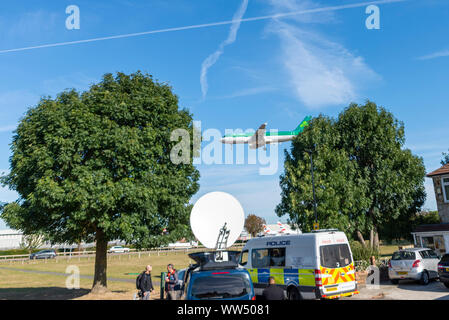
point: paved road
(405, 290)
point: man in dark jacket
(170, 282)
(144, 283)
(273, 292)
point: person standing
(273, 292)
(144, 283)
(170, 282)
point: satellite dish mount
(222, 242)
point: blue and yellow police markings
(253, 274)
(306, 277)
(283, 276)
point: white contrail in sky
(210, 60)
(438, 54)
(205, 25)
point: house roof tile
(443, 170)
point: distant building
(10, 239)
(436, 236)
(244, 236)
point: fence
(123, 255)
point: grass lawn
(25, 285)
(19, 285)
(386, 251)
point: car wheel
(424, 278)
(394, 281)
(446, 284)
(293, 294)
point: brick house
(436, 236)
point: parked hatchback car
(443, 270)
(419, 264)
(118, 249)
(43, 254)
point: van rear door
(337, 268)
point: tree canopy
(445, 159)
(363, 176)
(96, 166)
(254, 224)
(402, 227)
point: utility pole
(310, 152)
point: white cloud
(439, 54)
(322, 72)
(213, 58)
(38, 23)
(248, 92)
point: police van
(307, 266)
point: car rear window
(445, 258)
(335, 256)
(221, 286)
(403, 255)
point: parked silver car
(419, 264)
(118, 249)
(43, 254)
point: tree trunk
(371, 238)
(361, 239)
(376, 239)
(100, 281)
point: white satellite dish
(211, 213)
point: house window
(440, 248)
(445, 186)
(428, 242)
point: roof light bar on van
(325, 230)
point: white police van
(308, 266)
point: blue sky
(239, 74)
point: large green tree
(96, 166)
(338, 198)
(364, 177)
